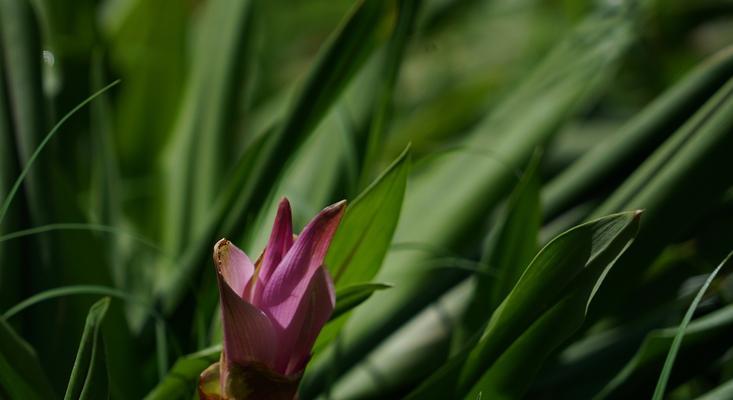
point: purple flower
(273, 309)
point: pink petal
(313, 311)
(248, 334)
(284, 290)
(281, 239)
(233, 265)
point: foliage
(539, 192)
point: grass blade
(89, 378)
(34, 156)
(669, 362)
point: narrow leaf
(182, 379)
(669, 362)
(21, 374)
(89, 379)
(512, 244)
(351, 296)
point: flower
(272, 310)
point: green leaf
(368, 25)
(724, 391)
(182, 379)
(706, 339)
(21, 374)
(568, 269)
(450, 198)
(697, 152)
(26, 168)
(669, 362)
(20, 43)
(512, 244)
(351, 296)
(360, 244)
(89, 379)
(405, 358)
(395, 52)
(223, 48)
(640, 136)
(365, 233)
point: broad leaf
(365, 233)
(572, 263)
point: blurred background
(129, 181)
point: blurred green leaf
(405, 358)
(568, 270)
(33, 157)
(697, 152)
(450, 198)
(202, 132)
(351, 296)
(182, 380)
(89, 378)
(393, 57)
(21, 374)
(619, 153)
(20, 43)
(368, 25)
(724, 391)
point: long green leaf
(641, 135)
(9, 198)
(677, 342)
(347, 298)
(89, 379)
(21, 374)
(706, 339)
(575, 260)
(182, 379)
(365, 234)
(358, 249)
(20, 43)
(368, 25)
(451, 197)
(393, 57)
(405, 358)
(697, 152)
(201, 134)
(511, 246)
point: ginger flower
(272, 310)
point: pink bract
(273, 310)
